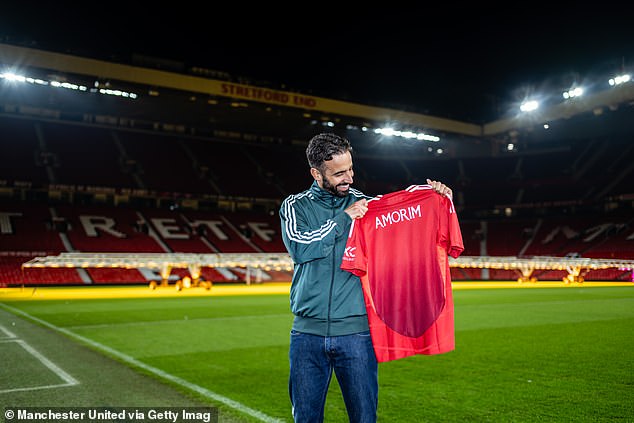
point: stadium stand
(93, 160)
(111, 176)
(80, 174)
(235, 171)
(22, 158)
(170, 226)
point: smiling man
(330, 329)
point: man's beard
(333, 188)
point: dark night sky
(451, 61)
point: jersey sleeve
(354, 256)
(450, 234)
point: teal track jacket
(325, 300)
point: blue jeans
(312, 360)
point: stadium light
(620, 79)
(16, 77)
(572, 93)
(68, 86)
(420, 136)
(529, 106)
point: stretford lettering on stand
(167, 228)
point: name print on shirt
(398, 216)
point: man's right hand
(358, 209)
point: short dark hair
(323, 146)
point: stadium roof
(468, 63)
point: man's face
(337, 175)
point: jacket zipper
(332, 273)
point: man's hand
(440, 188)
(358, 210)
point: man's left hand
(440, 188)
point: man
(330, 329)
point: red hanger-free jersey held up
(400, 250)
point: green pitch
(522, 355)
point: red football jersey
(400, 250)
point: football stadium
(143, 271)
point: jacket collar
(324, 196)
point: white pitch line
(10, 335)
(68, 379)
(158, 372)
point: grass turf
(541, 354)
